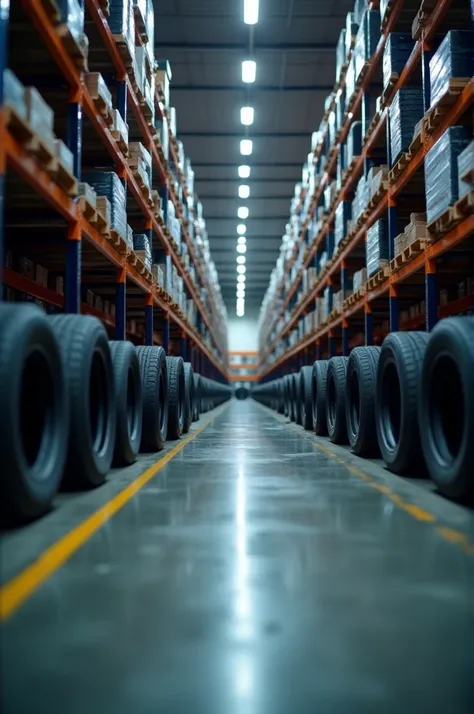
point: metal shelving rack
(84, 245)
(334, 336)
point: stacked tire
(74, 404)
(410, 401)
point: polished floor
(262, 571)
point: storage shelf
(275, 312)
(28, 168)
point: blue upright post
(366, 118)
(329, 243)
(431, 295)
(183, 348)
(345, 339)
(331, 344)
(149, 321)
(369, 330)
(425, 73)
(318, 350)
(394, 309)
(122, 98)
(72, 287)
(120, 305)
(166, 334)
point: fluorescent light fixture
(241, 269)
(250, 12)
(241, 279)
(240, 292)
(240, 302)
(240, 313)
(241, 228)
(249, 71)
(246, 147)
(247, 116)
(241, 248)
(241, 259)
(244, 172)
(242, 240)
(243, 212)
(244, 191)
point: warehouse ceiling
(293, 45)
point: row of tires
(410, 401)
(73, 403)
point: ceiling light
(241, 269)
(246, 146)
(243, 212)
(244, 191)
(244, 172)
(249, 71)
(241, 228)
(241, 259)
(241, 248)
(247, 116)
(242, 240)
(250, 12)
(240, 292)
(241, 279)
(240, 302)
(240, 313)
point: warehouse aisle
(253, 574)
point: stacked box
(150, 27)
(163, 77)
(331, 128)
(142, 247)
(14, 93)
(98, 89)
(397, 50)
(359, 203)
(367, 39)
(104, 208)
(108, 184)
(122, 22)
(377, 247)
(130, 237)
(340, 108)
(360, 7)
(376, 176)
(83, 189)
(405, 111)
(466, 170)
(64, 155)
(342, 215)
(441, 171)
(140, 159)
(453, 58)
(341, 54)
(354, 141)
(359, 279)
(40, 116)
(72, 15)
(120, 127)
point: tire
(287, 392)
(281, 396)
(396, 419)
(153, 373)
(336, 400)
(188, 397)
(361, 387)
(197, 397)
(294, 392)
(306, 397)
(176, 397)
(34, 414)
(318, 391)
(446, 407)
(91, 391)
(129, 402)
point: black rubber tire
(34, 414)
(281, 396)
(153, 373)
(91, 391)
(129, 402)
(336, 400)
(306, 397)
(295, 397)
(287, 396)
(318, 391)
(188, 397)
(197, 397)
(446, 407)
(176, 397)
(360, 400)
(398, 388)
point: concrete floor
(261, 571)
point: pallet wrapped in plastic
(342, 215)
(360, 7)
(340, 108)
(341, 54)
(453, 58)
(107, 183)
(142, 248)
(351, 30)
(359, 202)
(359, 279)
(441, 171)
(397, 50)
(122, 22)
(350, 79)
(354, 141)
(367, 39)
(40, 116)
(405, 111)
(466, 170)
(376, 247)
(72, 15)
(14, 93)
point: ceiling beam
(243, 88)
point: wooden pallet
(354, 297)
(417, 142)
(388, 89)
(464, 206)
(372, 127)
(436, 114)
(407, 254)
(88, 210)
(378, 195)
(18, 126)
(77, 52)
(399, 166)
(378, 278)
(65, 179)
(121, 143)
(104, 110)
(140, 25)
(447, 220)
(124, 51)
(117, 241)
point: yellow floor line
(14, 593)
(451, 535)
